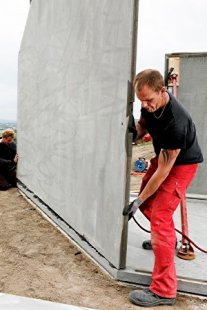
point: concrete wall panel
(75, 62)
(193, 94)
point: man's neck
(166, 99)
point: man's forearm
(153, 184)
(141, 132)
(166, 161)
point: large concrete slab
(192, 92)
(192, 72)
(76, 62)
(13, 302)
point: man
(8, 160)
(169, 175)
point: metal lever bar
(186, 250)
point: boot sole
(153, 304)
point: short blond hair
(9, 132)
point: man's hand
(16, 158)
(131, 209)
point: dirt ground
(145, 151)
(38, 261)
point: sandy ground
(38, 261)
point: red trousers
(159, 209)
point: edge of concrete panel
(128, 137)
(187, 286)
(127, 275)
(186, 54)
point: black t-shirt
(173, 128)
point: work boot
(147, 245)
(147, 298)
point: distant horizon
(5, 120)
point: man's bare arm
(166, 161)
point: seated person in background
(8, 159)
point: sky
(13, 15)
(164, 26)
(169, 26)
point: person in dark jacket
(169, 175)
(8, 159)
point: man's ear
(162, 90)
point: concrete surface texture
(75, 62)
(193, 95)
(12, 302)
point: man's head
(8, 135)
(150, 89)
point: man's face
(151, 100)
(7, 140)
